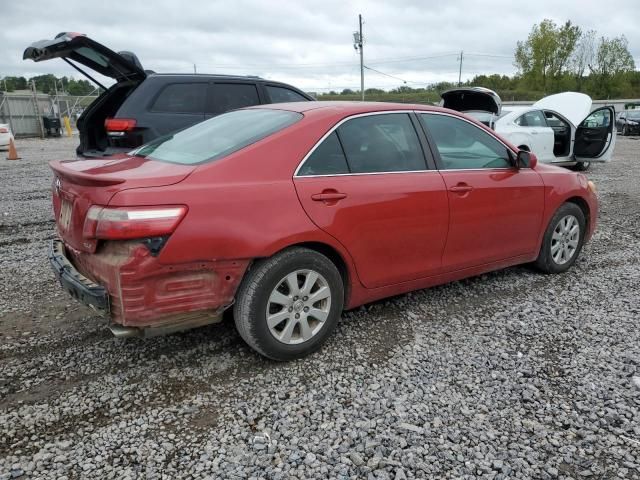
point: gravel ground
(508, 375)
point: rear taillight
(131, 222)
(4, 130)
(119, 126)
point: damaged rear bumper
(141, 295)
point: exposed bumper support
(179, 323)
(76, 284)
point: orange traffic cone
(13, 153)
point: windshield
(635, 114)
(218, 137)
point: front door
(495, 209)
(595, 136)
(367, 185)
(542, 137)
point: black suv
(143, 105)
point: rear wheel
(562, 240)
(289, 304)
(581, 166)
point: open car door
(595, 136)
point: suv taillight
(118, 126)
(123, 223)
(4, 130)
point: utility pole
(194, 68)
(460, 72)
(358, 42)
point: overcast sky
(306, 43)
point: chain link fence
(25, 112)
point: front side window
(597, 119)
(284, 95)
(181, 98)
(327, 159)
(218, 137)
(464, 146)
(230, 96)
(381, 143)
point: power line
(385, 74)
(375, 61)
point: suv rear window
(230, 96)
(218, 137)
(181, 98)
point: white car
(5, 135)
(559, 129)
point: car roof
(222, 77)
(349, 108)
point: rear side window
(283, 95)
(181, 98)
(327, 159)
(531, 119)
(231, 96)
(218, 137)
(381, 143)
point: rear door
(495, 209)
(595, 137)
(173, 105)
(224, 96)
(367, 185)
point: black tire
(581, 166)
(252, 299)
(625, 131)
(545, 261)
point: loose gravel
(511, 374)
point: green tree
(611, 66)
(13, 83)
(544, 57)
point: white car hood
(574, 106)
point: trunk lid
(467, 99)
(81, 49)
(79, 184)
(574, 106)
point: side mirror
(526, 159)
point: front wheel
(288, 305)
(562, 240)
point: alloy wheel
(565, 239)
(298, 306)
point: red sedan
(292, 213)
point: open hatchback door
(82, 53)
(81, 49)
